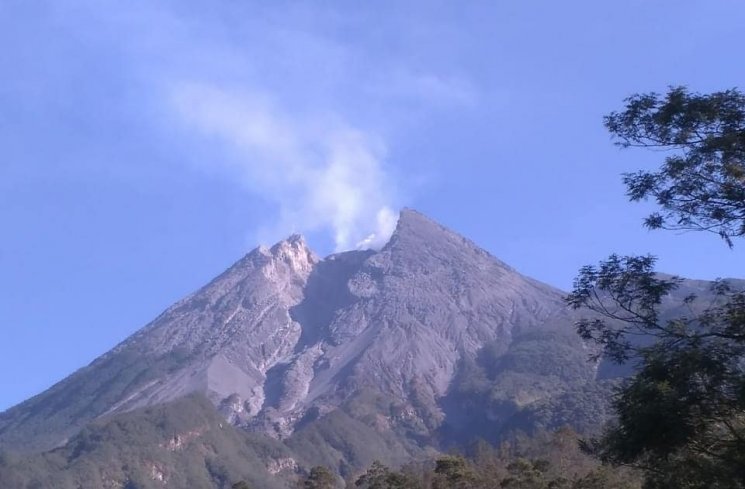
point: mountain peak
(407, 216)
(412, 223)
(297, 240)
(419, 237)
(295, 252)
(282, 334)
(415, 228)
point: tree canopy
(701, 182)
(320, 477)
(681, 417)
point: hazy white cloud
(299, 108)
(322, 173)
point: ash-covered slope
(408, 316)
(282, 338)
(219, 341)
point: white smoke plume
(322, 173)
(272, 90)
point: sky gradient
(148, 145)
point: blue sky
(148, 145)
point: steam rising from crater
(322, 173)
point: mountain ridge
(393, 354)
(282, 331)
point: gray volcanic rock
(219, 341)
(282, 335)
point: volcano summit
(428, 342)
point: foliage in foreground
(701, 182)
(545, 461)
(681, 417)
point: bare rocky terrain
(283, 332)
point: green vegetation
(545, 461)
(681, 418)
(69, 404)
(541, 381)
(378, 476)
(320, 477)
(701, 183)
(185, 444)
(368, 427)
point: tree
(320, 477)
(378, 476)
(240, 485)
(602, 478)
(701, 183)
(681, 417)
(453, 472)
(531, 474)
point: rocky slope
(287, 360)
(283, 335)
